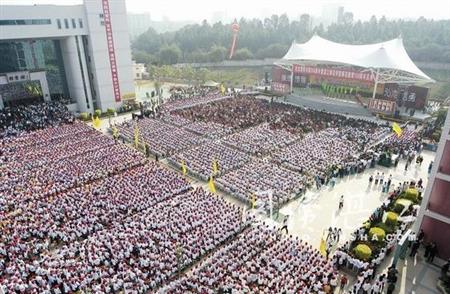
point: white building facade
(83, 49)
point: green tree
(169, 54)
(243, 54)
(143, 57)
(217, 53)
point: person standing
(285, 222)
(344, 282)
(430, 167)
(414, 248)
(389, 181)
(341, 202)
(433, 252)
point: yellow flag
(211, 185)
(253, 200)
(222, 89)
(397, 129)
(96, 122)
(323, 247)
(183, 168)
(115, 132)
(215, 166)
(136, 136)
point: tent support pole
(376, 84)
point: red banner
(333, 73)
(280, 88)
(111, 52)
(380, 105)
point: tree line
(425, 40)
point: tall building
(77, 52)
(434, 216)
(138, 23)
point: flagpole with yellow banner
(397, 129)
(211, 186)
(183, 168)
(115, 133)
(323, 246)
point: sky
(197, 10)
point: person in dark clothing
(445, 268)
(284, 227)
(390, 288)
(427, 250)
(420, 236)
(414, 248)
(432, 253)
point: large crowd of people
(260, 140)
(317, 152)
(199, 160)
(136, 251)
(185, 102)
(247, 183)
(163, 139)
(57, 169)
(19, 119)
(259, 261)
(80, 211)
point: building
(138, 23)
(139, 71)
(434, 215)
(78, 52)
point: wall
(438, 232)
(51, 12)
(98, 52)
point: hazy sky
(205, 9)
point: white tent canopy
(389, 59)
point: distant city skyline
(198, 10)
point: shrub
(387, 228)
(391, 219)
(411, 194)
(398, 208)
(84, 116)
(110, 111)
(97, 113)
(363, 251)
(401, 204)
(377, 233)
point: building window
(74, 24)
(16, 22)
(66, 23)
(80, 22)
(58, 22)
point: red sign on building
(381, 105)
(333, 73)
(280, 88)
(111, 52)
